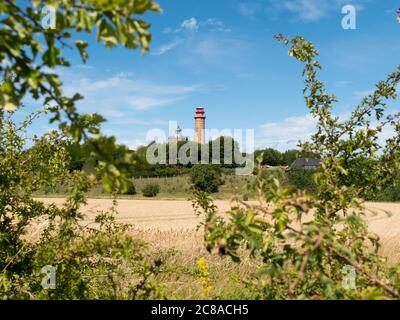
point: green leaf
(82, 46)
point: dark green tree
(224, 151)
(206, 177)
(271, 157)
(290, 156)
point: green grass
(170, 188)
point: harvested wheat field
(172, 223)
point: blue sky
(222, 55)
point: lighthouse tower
(199, 125)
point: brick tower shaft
(199, 125)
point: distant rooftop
(306, 163)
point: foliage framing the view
(303, 240)
(102, 262)
(30, 54)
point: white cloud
(134, 144)
(286, 134)
(190, 25)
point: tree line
(81, 157)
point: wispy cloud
(362, 94)
(215, 25)
(146, 103)
(186, 31)
(84, 67)
(120, 93)
(123, 82)
(249, 9)
(213, 22)
(167, 47)
(307, 10)
(342, 83)
(304, 10)
(214, 47)
(226, 53)
(168, 30)
(193, 25)
(139, 122)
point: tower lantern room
(199, 125)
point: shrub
(390, 194)
(206, 178)
(80, 257)
(151, 190)
(131, 189)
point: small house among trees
(305, 163)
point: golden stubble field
(169, 226)
(172, 223)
